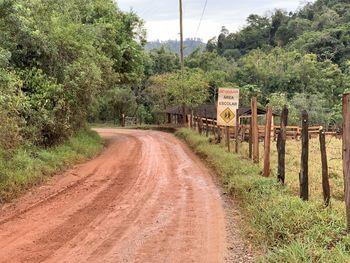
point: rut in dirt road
(146, 198)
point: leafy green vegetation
(30, 165)
(56, 59)
(61, 63)
(191, 44)
(299, 58)
(285, 227)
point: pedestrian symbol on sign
(227, 115)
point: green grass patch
(28, 165)
(280, 223)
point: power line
(200, 21)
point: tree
(64, 54)
(121, 101)
(163, 61)
(189, 89)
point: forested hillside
(300, 59)
(191, 44)
(62, 64)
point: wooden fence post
(191, 119)
(267, 143)
(218, 132)
(250, 140)
(200, 125)
(325, 178)
(304, 168)
(123, 120)
(281, 146)
(206, 124)
(346, 154)
(255, 130)
(237, 132)
(214, 132)
(228, 138)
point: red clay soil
(146, 198)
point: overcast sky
(162, 16)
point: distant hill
(321, 27)
(190, 44)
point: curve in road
(146, 198)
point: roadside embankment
(278, 222)
(29, 165)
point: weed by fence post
(255, 130)
(281, 146)
(346, 154)
(267, 143)
(325, 178)
(237, 132)
(304, 169)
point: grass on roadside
(293, 158)
(286, 228)
(28, 166)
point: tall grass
(28, 165)
(285, 227)
(293, 158)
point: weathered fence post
(250, 140)
(304, 168)
(237, 132)
(346, 154)
(325, 178)
(123, 120)
(206, 124)
(281, 146)
(267, 142)
(200, 125)
(255, 130)
(218, 133)
(228, 138)
(191, 119)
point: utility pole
(182, 61)
(181, 38)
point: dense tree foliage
(173, 46)
(64, 62)
(56, 57)
(321, 28)
(300, 59)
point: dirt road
(146, 198)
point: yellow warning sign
(227, 115)
(228, 102)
